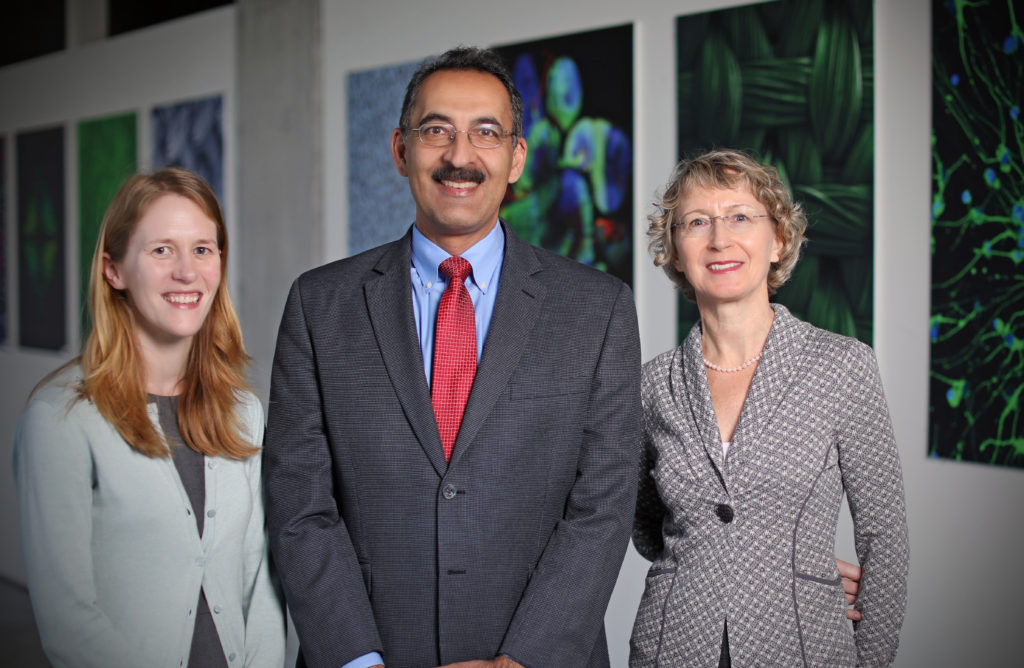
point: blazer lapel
(698, 396)
(389, 302)
(769, 386)
(520, 296)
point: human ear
(518, 160)
(111, 273)
(777, 247)
(398, 148)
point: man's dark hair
(464, 58)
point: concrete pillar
(280, 165)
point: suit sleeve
(873, 481)
(313, 552)
(53, 470)
(650, 511)
(561, 613)
(262, 605)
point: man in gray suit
(397, 544)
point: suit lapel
(520, 296)
(389, 302)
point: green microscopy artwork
(792, 83)
(977, 299)
(106, 157)
(41, 290)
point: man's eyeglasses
(737, 223)
(484, 135)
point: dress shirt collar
(485, 256)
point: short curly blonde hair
(727, 168)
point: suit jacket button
(724, 512)
(449, 491)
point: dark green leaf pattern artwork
(792, 83)
(977, 301)
(106, 157)
(41, 289)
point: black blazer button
(724, 512)
(448, 492)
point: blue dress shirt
(428, 284)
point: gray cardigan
(750, 538)
(114, 561)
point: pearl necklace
(731, 369)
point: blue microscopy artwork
(575, 196)
(380, 207)
(977, 302)
(190, 134)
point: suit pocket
(825, 634)
(519, 390)
(650, 617)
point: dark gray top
(206, 648)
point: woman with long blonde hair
(137, 463)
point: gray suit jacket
(750, 538)
(513, 547)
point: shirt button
(724, 512)
(211, 513)
(449, 491)
(231, 657)
(200, 561)
(216, 609)
(212, 464)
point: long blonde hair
(113, 376)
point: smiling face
(170, 272)
(458, 188)
(724, 266)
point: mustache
(449, 173)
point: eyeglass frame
(503, 133)
(711, 221)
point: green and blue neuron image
(977, 309)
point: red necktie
(454, 353)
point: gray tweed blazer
(515, 545)
(750, 538)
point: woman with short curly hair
(754, 428)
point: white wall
(185, 59)
(965, 529)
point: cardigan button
(724, 512)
